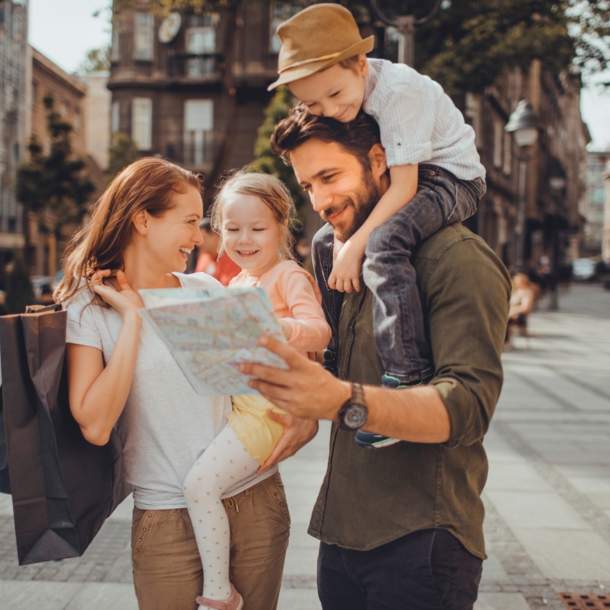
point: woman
(120, 373)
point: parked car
(583, 269)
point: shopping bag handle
(43, 308)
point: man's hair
(356, 137)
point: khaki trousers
(167, 571)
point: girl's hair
(148, 184)
(271, 191)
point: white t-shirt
(418, 122)
(165, 425)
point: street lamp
(557, 182)
(406, 24)
(523, 124)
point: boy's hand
(347, 267)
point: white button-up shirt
(419, 123)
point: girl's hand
(347, 267)
(125, 300)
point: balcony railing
(194, 67)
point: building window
(498, 142)
(280, 12)
(143, 37)
(115, 119)
(141, 122)
(201, 34)
(508, 153)
(115, 49)
(78, 123)
(34, 92)
(198, 67)
(198, 131)
(472, 116)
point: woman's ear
(379, 164)
(140, 222)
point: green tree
(121, 153)
(470, 43)
(51, 183)
(96, 60)
(19, 291)
(265, 161)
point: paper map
(210, 332)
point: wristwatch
(353, 414)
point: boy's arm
(346, 269)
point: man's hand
(345, 276)
(305, 390)
(297, 433)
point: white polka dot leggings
(223, 464)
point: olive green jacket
(374, 496)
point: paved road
(547, 498)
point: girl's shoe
(234, 602)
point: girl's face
(172, 236)
(250, 233)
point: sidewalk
(547, 497)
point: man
(222, 268)
(401, 526)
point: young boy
(435, 172)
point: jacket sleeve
(466, 297)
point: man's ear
(140, 222)
(377, 158)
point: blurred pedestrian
(522, 302)
(221, 268)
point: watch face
(355, 416)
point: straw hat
(318, 37)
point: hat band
(298, 64)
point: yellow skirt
(254, 428)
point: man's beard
(363, 202)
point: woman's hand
(125, 299)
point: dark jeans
(425, 570)
(441, 199)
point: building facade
(593, 203)
(553, 222)
(606, 227)
(13, 79)
(69, 94)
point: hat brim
(291, 74)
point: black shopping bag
(63, 487)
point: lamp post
(406, 25)
(557, 182)
(523, 124)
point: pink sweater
(296, 300)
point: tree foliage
(95, 60)
(121, 153)
(279, 108)
(164, 7)
(52, 184)
(470, 43)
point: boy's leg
(223, 464)
(398, 319)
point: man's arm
(308, 391)
(466, 301)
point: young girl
(252, 214)
(120, 374)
